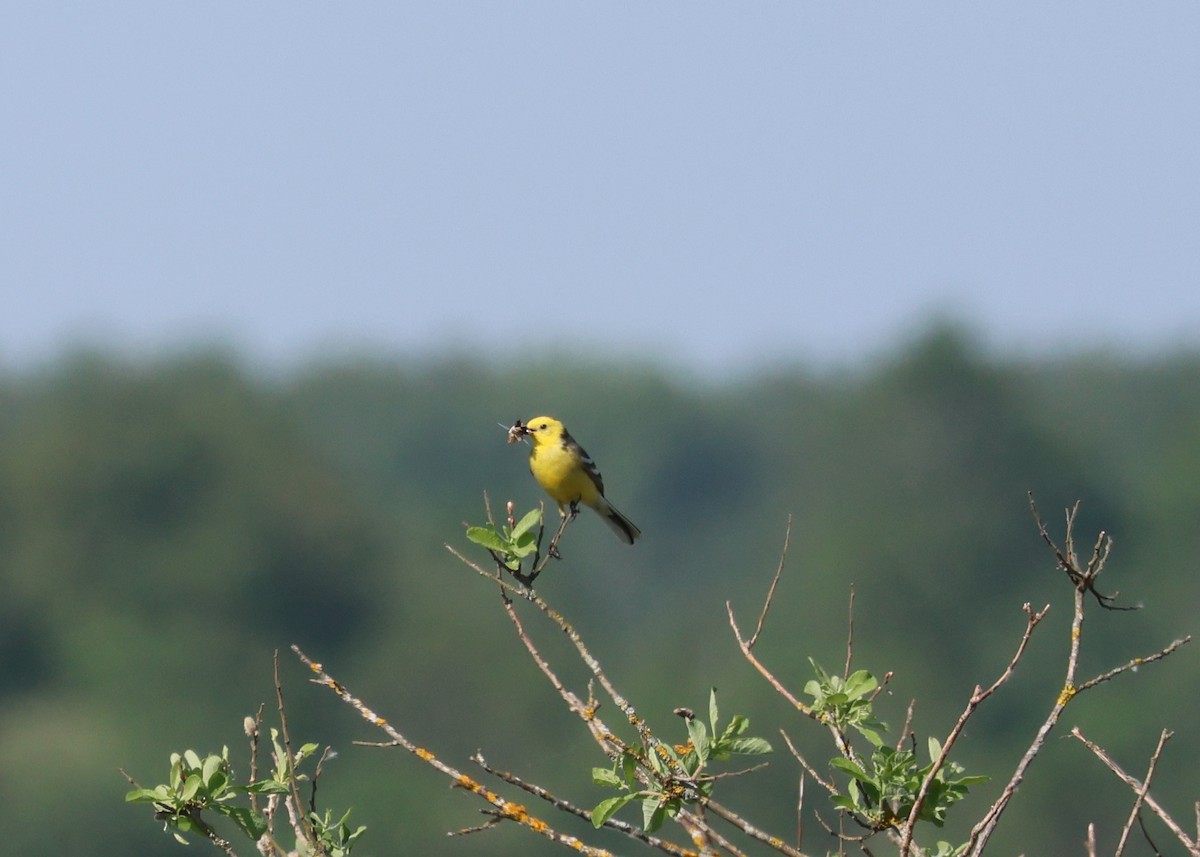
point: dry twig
(1141, 789)
(504, 809)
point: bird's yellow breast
(560, 472)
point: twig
(568, 807)
(762, 616)
(750, 830)
(608, 741)
(1189, 844)
(1083, 580)
(849, 635)
(979, 695)
(505, 808)
(908, 720)
(302, 827)
(825, 784)
(1134, 663)
(1141, 793)
(744, 645)
(327, 753)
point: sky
(709, 185)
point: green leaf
(860, 683)
(191, 759)
(848, 767)
(821, 674)
(737, 726)
(699, 738)
(249, 822)
(211, 767)
(870, 734)
(606, 777)
(156, 794)
(525, 544)
(844, 802)
(935, 748)
(653, 813)
(487, 537)
(607, 808)
(527, 523)
(712, 709)
(629, 767)
(217, 787)
(750, 746)
(265, 787)
(190, 786)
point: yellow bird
(568, 474)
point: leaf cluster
(509, 543)
(882, 790)
(666, 778)
(197, 788)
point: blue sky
(712, 185)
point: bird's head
(544, 430)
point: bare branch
(910, 825)
(1135, 663)
(812, 772)
(1141, 793)
(1189, 844)
(505, 809)
(762, 617)
(744, 645)
(303, 829)
(568, 807)
(849, 635)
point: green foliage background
(166, 525)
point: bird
(567, 473)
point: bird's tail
(625, 529)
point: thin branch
(744, 645)
(910, 825)
(849, 635)
(908, 720)
(505, 808)
(812, 772)
(750, 830)
(762, 617)
(568, 807)
(303, 828)
(608, 741)
(1083, 579)
(1141, 793)
(1134, 664)
(1189, 844)
(539, 561)
(327, 753)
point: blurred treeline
(166, 525)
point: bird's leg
(574, 509)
